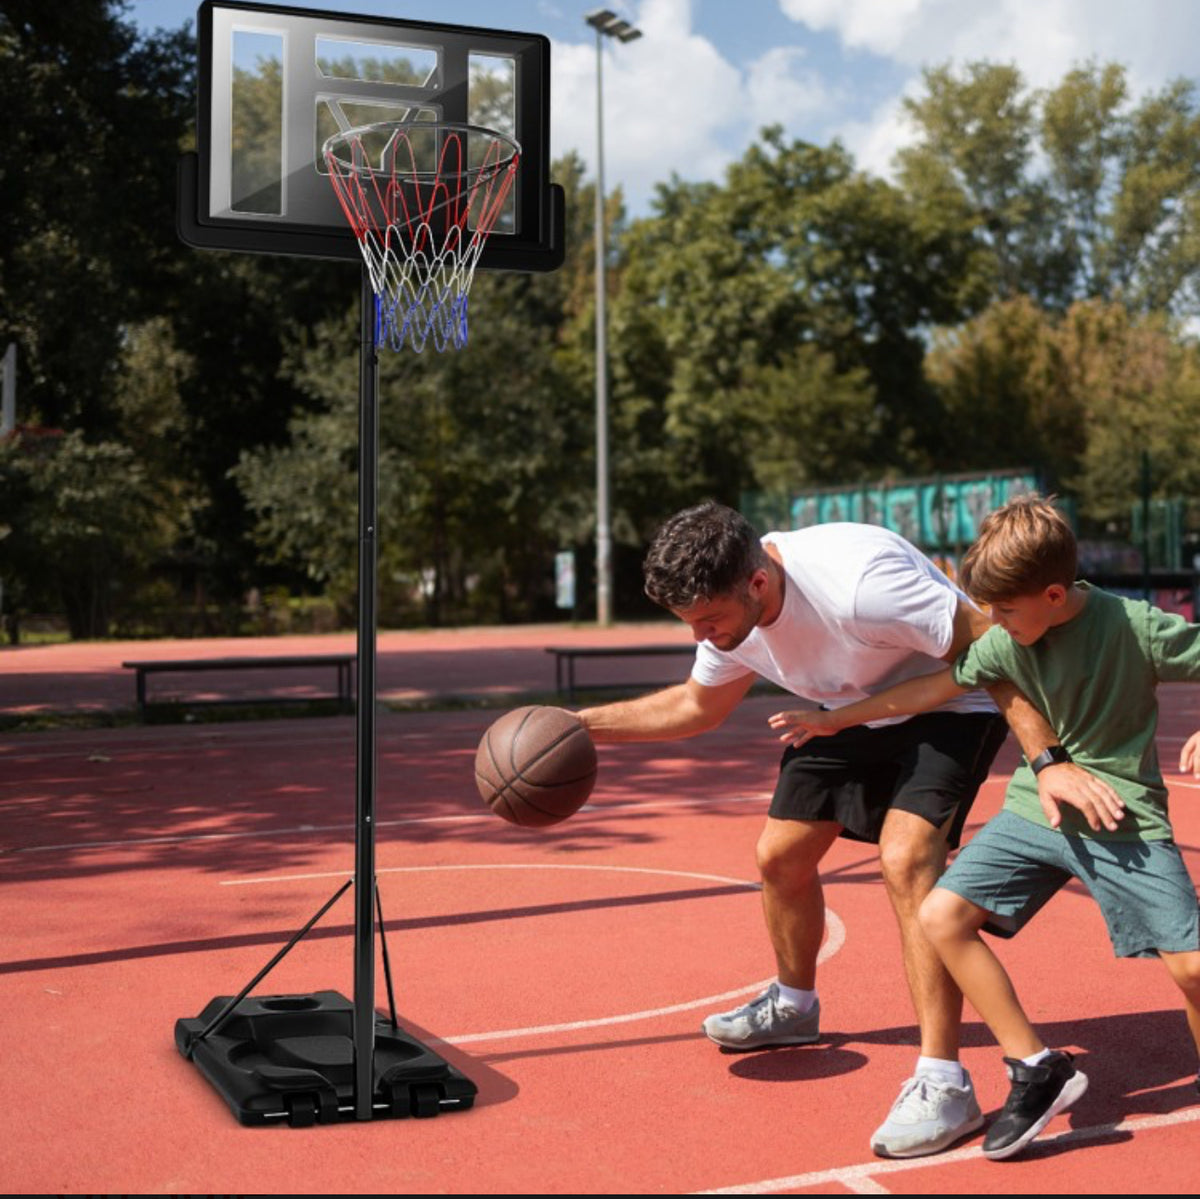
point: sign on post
(564, 579)
(8, 391)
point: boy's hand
(1071, 784)
(802, 724)
(1189, 758)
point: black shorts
(929, 765)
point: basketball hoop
(421, 198)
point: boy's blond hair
(1022, 548)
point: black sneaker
(1038, 1094)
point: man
(833, 614)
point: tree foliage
(1080, 397)
(88, 521)
(1070, 193)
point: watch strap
(1052, 755)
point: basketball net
(422, 198)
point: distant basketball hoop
(421, 198)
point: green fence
(940, 513)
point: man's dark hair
(702, 553)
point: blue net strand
(421, 298)
(445, 323)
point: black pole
(364, 852)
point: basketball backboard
(275, 83)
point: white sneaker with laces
(929, 1115)
(764, 1021)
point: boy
(1091, 662)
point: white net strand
(421, 232)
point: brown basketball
(535, 766)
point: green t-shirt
(1094, 679)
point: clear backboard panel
(275, 83)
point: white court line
(604, 1021)
(852, 1176)
(866, 1186)
(305, 830)
(833, 942)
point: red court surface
(565, 971)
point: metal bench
(343, 663)
(566, 655)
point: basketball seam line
(518, 775)
(543, 786)
(508, 783)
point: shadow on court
(1133, 1062)
(276, 937)
(245, 799)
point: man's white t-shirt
(862, 610)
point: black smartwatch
(1050, 756)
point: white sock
(1036, 1059)
(795, 997)
(952, 1072)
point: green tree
(83, 521)
(1139, 386)
(1079, 397)
(1069, 193)
(91, 118)
(796, 269)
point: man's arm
(677, 712)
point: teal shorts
(1012, 867)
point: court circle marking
(834, 940)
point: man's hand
(1189, 758)
(1067, 783)
(802, 724)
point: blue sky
(689, 96)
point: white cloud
(670, 99)
(880, 26)
(875, 141)
(673, 102)
(779, 89)
(1045, 38)
(1156, 40)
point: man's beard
(753, 610)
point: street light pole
(606, 24)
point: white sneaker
(929, 1115)
(764, 1021)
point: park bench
(342, 662)
(565, 657)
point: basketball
(535, 766)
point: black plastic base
(290, 1059)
